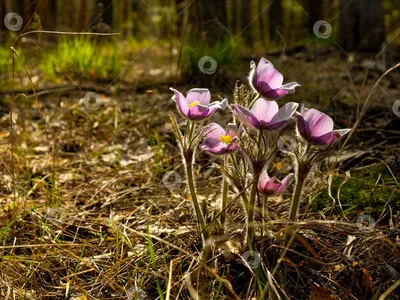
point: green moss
(369, 189)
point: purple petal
(263, 63)
(245, 116)
(203, 96)
(262, 181)
(265, 78)
(290, 87)
(266, 72)
(218, 105)
(199, 112)
(213, 146)
(217, 147)
(181, 103)
(317, 122)
(275, 94)
(325, 139)
(264, 110)
(302, 127)
(214, 130)
(285, 182)
(271, 186)
(284, 114)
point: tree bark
(361, 25)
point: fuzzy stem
(264, 214)
(192, 189)
(250, 212)
(225, 186)
(190, 127)
(301, 177)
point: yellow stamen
(194, 104)
(225, 139)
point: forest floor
(87, 208)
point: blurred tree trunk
(262, 20)
(107, 15)
(208, 18)
(246, 20)
(220, 12)
(315, 11)
(361, 25)
(237, 15)
(275, 20)
(180, 6)
(2, 14)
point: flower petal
(245, 116)
(217, 105)
(303, 128)
(213, 146)
(203, 96)
(262, 181)
(266, 72)
(285, 182)
(181, 102)
(342, 132)
(266, 77)
(264, 110)
(325, 139)
(317, 122)
(271, 187)
(285, 113)
(214, 130)
(199, 112)
(290, 87)
(275, 94)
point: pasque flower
(317, 128)
(265, 114)
(272, 186)
(196, 105)
(219, 141)
(267, 81)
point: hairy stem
(225, 186)
(250, 212)
(264, 213)
(192, 189)
(301, 177)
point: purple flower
(219, 141)
(267, 81)
(317, 128)
(265, 114)
(272, 186)
(196, 106)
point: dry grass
(90, 216)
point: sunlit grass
(82, 58)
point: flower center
(226, 139)
(194, 104)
